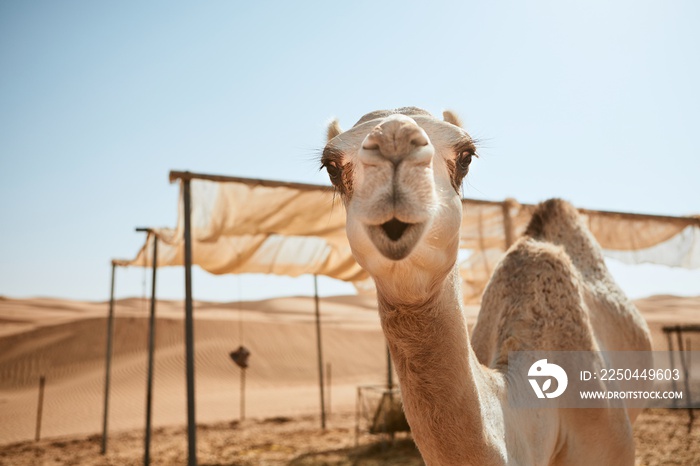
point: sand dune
(65, 341)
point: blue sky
(596, 102)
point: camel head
(399, 174)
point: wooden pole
(389, 370)
(242, 412)
(319, 353)
(189, 331)
(40, 408)
(390, 389)
(329, 384)
(669, 341)
(151, 351)
(686, 382)
(507, 223)
(108, 362)
(358, 403)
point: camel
(399, 174)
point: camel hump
(546, 296)
(558, 222)
(549, 217)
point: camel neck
(441, 381)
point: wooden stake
(108, 363)
(40, 408)
(242, 412)
(319, 353)
(328, 384)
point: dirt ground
(662, 439)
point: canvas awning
(242, 225)
(258, 226)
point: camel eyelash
(468, 146)
(330, 156)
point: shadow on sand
(401, 452)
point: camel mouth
(395, 239)
(395, 228)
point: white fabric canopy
(259, 226)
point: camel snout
(398, 137)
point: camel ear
(451, 117)
(333, 129)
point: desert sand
(65, 342)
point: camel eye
(464, 159)
(333, 171)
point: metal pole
(319, 353)
(151, 351)
(108, 363)
(40, 407)
(189, 331)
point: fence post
(329, 383)
(40, 408)
(319, 352)
(108, 363)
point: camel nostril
(419, 140)
(370, 144)
(395, 228)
